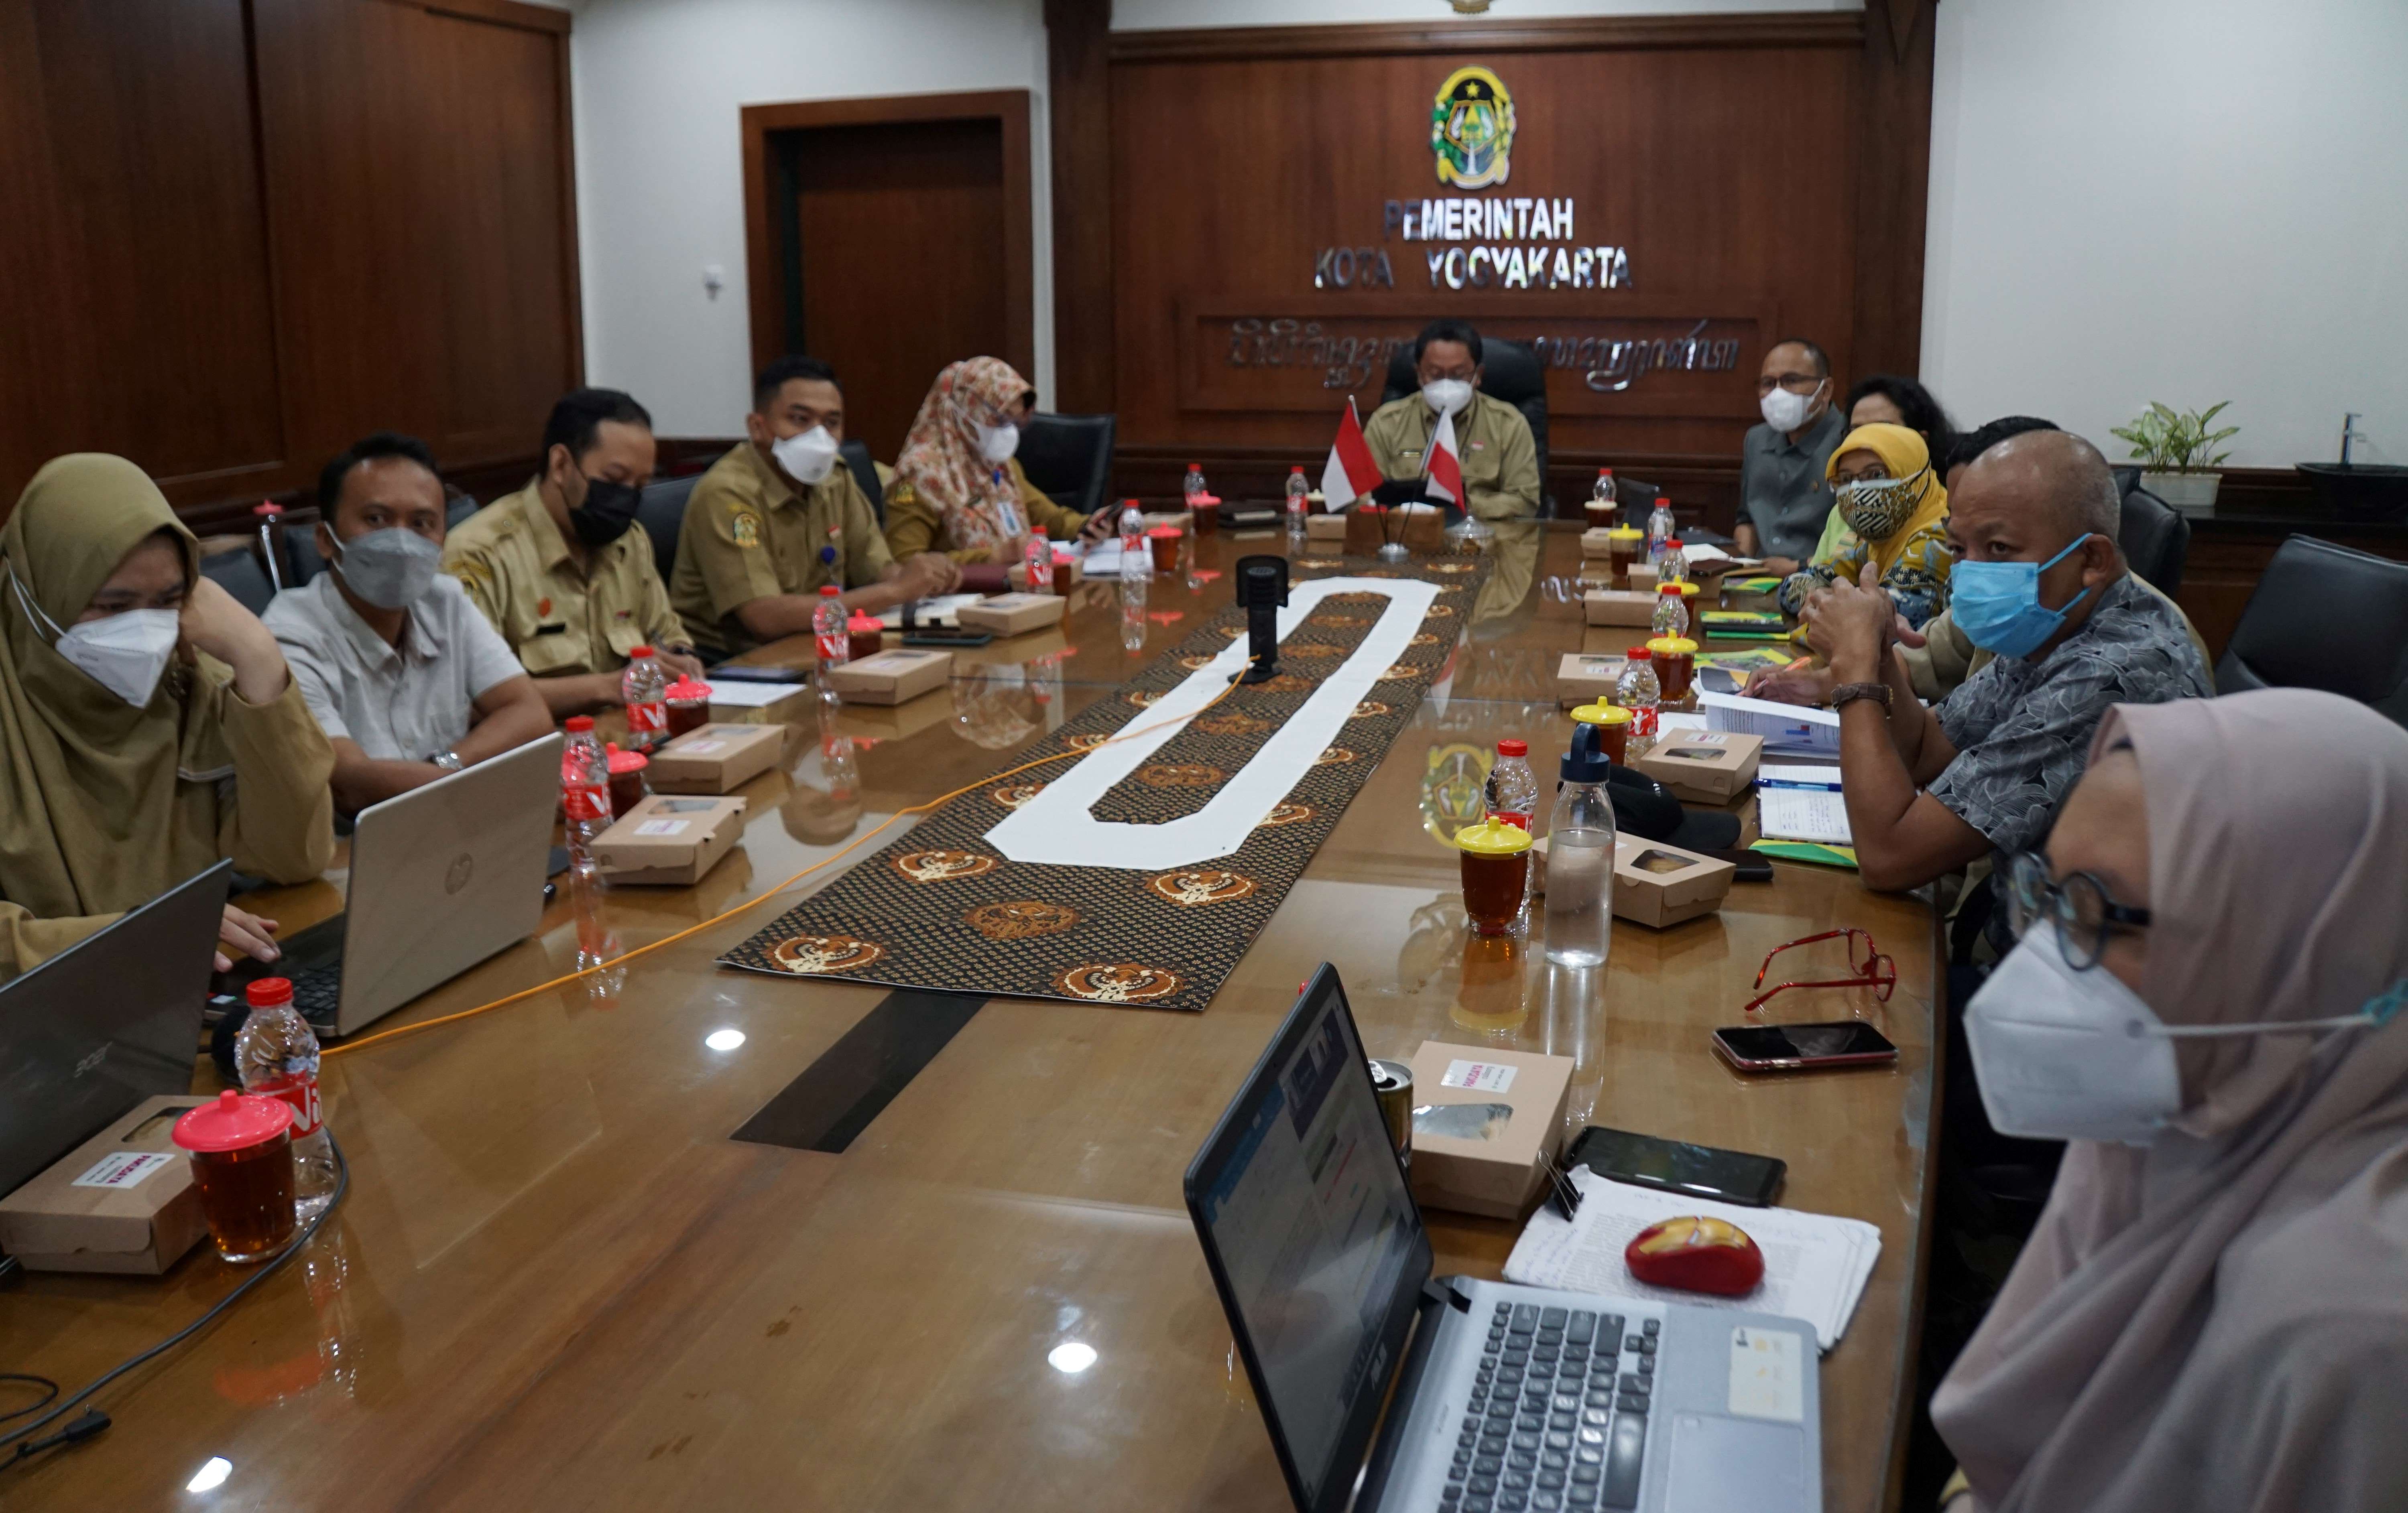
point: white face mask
(125, 653)
(2063, 1054)
(1785, 411)
(808, 456)
(997, 443)
(1446, 397)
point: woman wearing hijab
(1893, 503)
(959, 488)
(1887, 397)
(148, 726)
(2213, 1313)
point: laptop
(116, 1019)
(1499, 1398)
(442, 877)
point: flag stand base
(1395, 551)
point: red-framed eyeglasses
(1874, 969)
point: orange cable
(346, 1046)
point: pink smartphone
(1804, 1048)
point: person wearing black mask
(558, 566)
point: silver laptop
(442, 877)
(96, 1028)
(1506, 1398)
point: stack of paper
(1787, 729)
(1815, 1266)
(1795, 813)
(730, 694)
(938, 610)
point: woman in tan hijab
(959, 488)
(148, 726)
(2212, 1314)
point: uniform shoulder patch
(746, 528)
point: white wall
(657, 85)
(2182, 200)
(1156, 15)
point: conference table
(557, 1282)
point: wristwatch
(447, 761)
(1850, 692)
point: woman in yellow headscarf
(1892, 501)
(149, 725)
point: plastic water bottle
(1137, 563)
(1513, 791)
(1638, 692)
(1600, 494)
(645, 689)
(1580, 856)
(1670, 618)
(1194, 489)
(1659, 528)
(1300, 503)
(831, 629)
(275, 1056)
(584, 788)
(1038, 561)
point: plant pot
(2192, 492)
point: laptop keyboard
(316, 993)
(1557, 1414)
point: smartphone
(1790, 1047)
(945, 635)
(1676, 1166)
(727, 674)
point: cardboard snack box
(1595, 543)
(892, 676)
(1496, 1173)
(123, 1201)
(1643, 578)
(715, 758)
(1326, 529)
(1655, 884)
(1703, 766)
(669, 839)
(1586, 677)
(1013, 614)
(1633, 606)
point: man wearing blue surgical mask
(1492, 439)
(2040, 582)
(406, 676)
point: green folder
(1807, 851)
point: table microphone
(1262, 588)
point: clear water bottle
(275, 1056)
(1600, 498)
(1660, 529)
(1137, 566)
(1513, 792)
(1194, 489)
(831, 629)
(584, 788)
(1299, 490)
(1037, 562)
(1672, 618)
(645, 689)
(1673, 567)
(1133, 593)
(1580, 855)
(1638, 692)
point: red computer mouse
(1695, 1255)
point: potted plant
(2177, 461)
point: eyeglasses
(1874, 969)
(2085, 913)
(1796, 383)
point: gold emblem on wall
(1471, 129)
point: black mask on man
(609, 509)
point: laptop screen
(1316, 1244)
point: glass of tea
(1164, 541)
(241, 1150)
(1613, 729)
(1495, 875)
(1676, 666)
(689, 706)
(1622, 548)
(627, 780)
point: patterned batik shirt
(1917, 580)
(2022, 729)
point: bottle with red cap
(1638, 692)
(275, 1056)
(831, 629)
(270, 516)
(645, 688)
(584, 788)
(1512, 787)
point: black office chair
(2155, 537)
(457, 506)
(2325, 617)
(302, 560)
(856, 453)
(1069, 457)
(662, 512)
(1510, 371)
(240, 574)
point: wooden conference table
(557, 1282)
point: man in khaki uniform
(1500, 460)
(558, 568)
(779, 516)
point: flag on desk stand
(1445, 463)
(1351, 472)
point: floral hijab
(940, 454)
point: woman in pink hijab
(2212, 1314)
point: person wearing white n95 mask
(960, 487)
(1494, 447)
(1785, 493)
(809, 455)
(2211, 1315)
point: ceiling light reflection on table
(211, 1476)
(1070, 1358)
(724, 1039)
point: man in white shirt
(408, 680)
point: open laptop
(442, 876)
(112, 1021)
(1505, 1398)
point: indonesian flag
(1445, 478)
(1351, 472)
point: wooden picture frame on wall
(766, 254)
